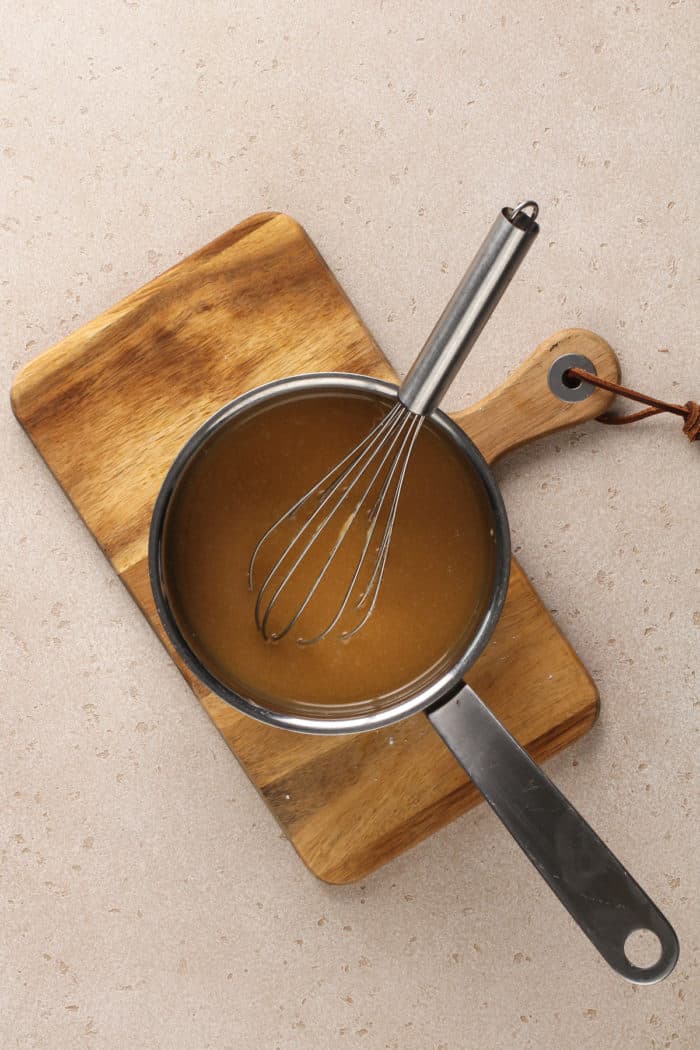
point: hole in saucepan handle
(643, 948)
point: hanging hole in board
(570, 381)
(643, 948)
(566, 387)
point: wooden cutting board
(109, 407)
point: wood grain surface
(109, 407)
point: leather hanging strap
(690, 411)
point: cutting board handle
(524, 408)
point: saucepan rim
(440, 689)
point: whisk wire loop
(393, 430)
(410, 432)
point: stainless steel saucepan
(591, 883)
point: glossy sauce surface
(437, 583)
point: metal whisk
(369, 479)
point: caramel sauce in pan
(436, 586)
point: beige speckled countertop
(147, 899)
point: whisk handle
(462, 320)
